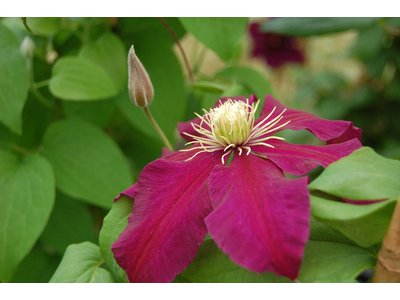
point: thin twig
(24, 21)
(180, 49)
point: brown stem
(388, 266)
(180, 49)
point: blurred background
(64, 105)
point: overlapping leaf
(13, 80)
(114, 223)
(81, 263)
(87, 163)
(27, 191)
(79, 79)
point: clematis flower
(275, 49)
(253, 212)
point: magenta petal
(351, 133)
(166, 152)
(167, 222)
(129, 192)
(188, 128)
(323, 129)
(260, 218)
(301, 159)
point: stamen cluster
(231, 126)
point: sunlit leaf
(79, 79)
(114, 223)
(81, 263)
(222, 35)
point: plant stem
(388, 266)
(24, 21)
(20, 149)
(41, 84)
(191, 78)
(157, 128)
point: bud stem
(388, 266)
(157, 128)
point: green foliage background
(71, 140)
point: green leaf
(78, 79)
(113, 225)
(81, 263)
(369, 42)
(87, 163)
(98, 112)
(44, 26)
(330, 256)
(251, 79)
(209, 86)
(69, 223)
(315, 26)
(222, 35)
(109, 53)
(334, 262)
(364, 224)
(363, 175)
(212, 265)
(26, 200)
(38, 266)
(13, 81)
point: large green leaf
(109, 53)
(78, 79)
(87, 163)
(364, 224)
(363, 175)
(169, 104)
(222, 35)
(315, 26)
(69, 223)
(81, 263)
(212, 265)
(13, 80)
(44, 26)
(251, 79)
(114, 223)
(27, 191)
(330, 256)
(334, 262)
(97, 112)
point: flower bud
(140, 88)
(28, 47)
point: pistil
(231, 126)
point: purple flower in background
(253, 212)
(275, 49)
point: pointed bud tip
(140, 87)
(28, 47)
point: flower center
(230, 126)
